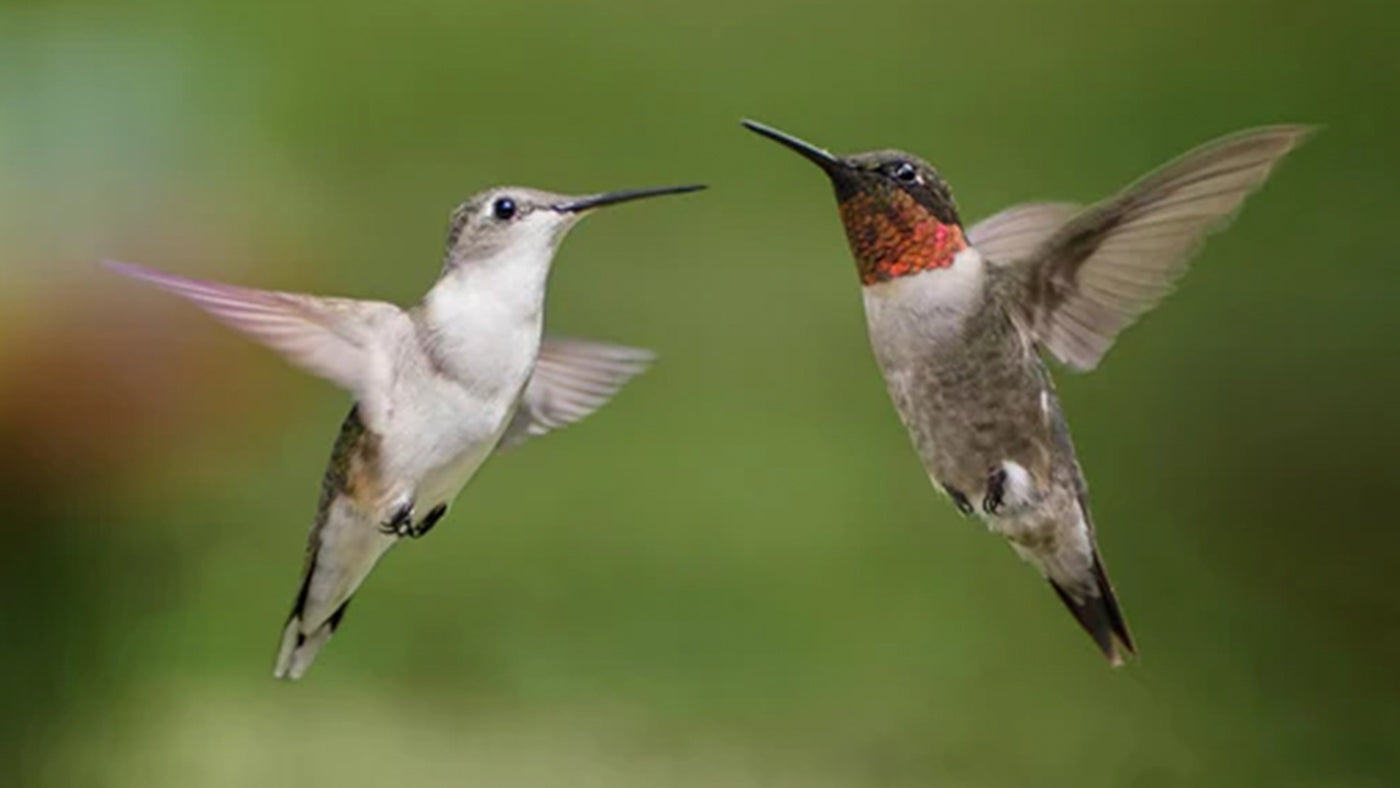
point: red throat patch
(892, 235)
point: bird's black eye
(503, 208)
(906, 172)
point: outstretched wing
(572, 378)
(342, 340)
(1102, 269)
(1014, 234)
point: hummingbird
(960, 319)
(438, 388)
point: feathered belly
(966, 385)
(443, 482)
(967, 417)
(440, 446)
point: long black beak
(819, 156)
(613, 198)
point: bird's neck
(482, 321)
(893, 236)
(931, 308)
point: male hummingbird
(438, 387)
(958, 319)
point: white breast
(912, 311)
(478, 340)
(484, 321)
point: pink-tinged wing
(1112, 262)
(339, 339)
(572, 378)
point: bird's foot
(959, 500)
(400, 522)
(995, 497)
(422, 528)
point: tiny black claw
(959, 500)
(996, 491)
(422, 529)
(400, 523)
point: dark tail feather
(1100, 616)
(299, 648)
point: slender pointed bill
(890, 231)
(627, 195)
(819, 156)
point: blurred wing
(573, 378)
(1013, 234)
(1107, 266)
(334, 338)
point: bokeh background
(736, 574)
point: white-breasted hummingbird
(438, 387)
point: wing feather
(572, 378)
(1013, 234)
(340, 339)
(1103, 268)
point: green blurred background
(736, 574)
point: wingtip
(1295, 134)
(638, 355)
(159, 279)
(1304, 131)
(1286, 136)
(119, 267)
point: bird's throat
(892, 235)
